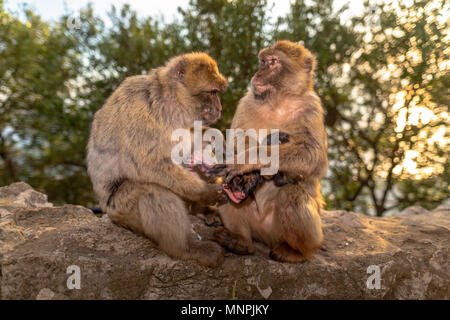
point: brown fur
(242, 186)
(287, 217)
(129, 153)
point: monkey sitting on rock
(287, 217)
(129, 153)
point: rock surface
(40, 244)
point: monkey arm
(152, 167)
(236, 169)
(181, 181)
(303, 159)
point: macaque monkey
(129, 153)
(286, 217)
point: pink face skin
(236, 196)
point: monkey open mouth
(235, 196)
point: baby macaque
(243, 186)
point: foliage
(384, 148)
(382, 76)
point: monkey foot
(207, 253)
(232, 242)
(284, 253)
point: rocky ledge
(67, 252)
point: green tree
(387, 148)
(232, 32)
(38, 140)
(383, 79)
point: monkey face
(211, 107)
(266, 78)
(200, 75)
(286, 66)
(242, 186)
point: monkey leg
(122, 205)
(163, 217)
(298, 215)
(236, 236)
(208, 214)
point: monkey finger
(217, 170)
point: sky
(52, 9)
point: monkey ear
(180, 70)
(180, 74)
(310, 64)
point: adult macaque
(129, 153)
(287, 217)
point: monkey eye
(214, 91)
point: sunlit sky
(52, 9)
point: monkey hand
(210, 168)
(213, 194)
(216, 170)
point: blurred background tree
(382, 76)
(388, 148)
